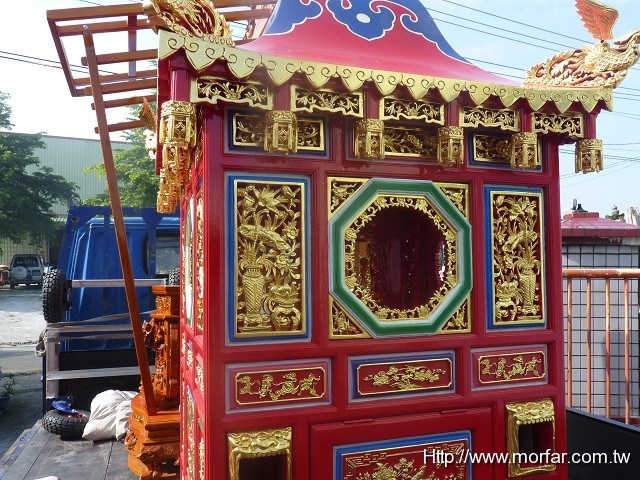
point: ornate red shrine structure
(371, 273)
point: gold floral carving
(524, 150)
(194, 18)
(528, 413)
(256, 444)
(459, 321)
(569, 124)
(458, 194)
(517, 257)
(199, 377)
(270, 268)
(163, 304)
(450, 146)
(201, 462)
(369, 139)
(503, 118)
(402, 470)
(243, 63)
(199, 238)
(303, 100)
(363, 292)
(191, 448)
(178, 137)
(491, 148)
(341, 189)
(405, 378)
(343, 325)
(211, 89)
(280, 132)
(410, 142)
(498, 367)
(589, 155)
(396, 109)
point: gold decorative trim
(257, 444)
(504, 118)
(243, 63)
(392, 108)
(589, 155)
(359, 286)
(178, 135)
(280, 132)
(248, 131)
(450, 146)
(195, 18)
(524, 151)
(343, 325)
(210, 89)
(528, 413)
(369, 139)
(303, 100)
(410, 142)
(569, 124)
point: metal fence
(601, 341)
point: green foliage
(135, 171)
(28, 190)
(7, 383)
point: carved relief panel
(515, 281)
(267, 256)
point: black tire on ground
(174, 276)
(65, 424)
(54, 296)
(12, 285)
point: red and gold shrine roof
(397, 35)
(388, 43)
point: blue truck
(88, 344)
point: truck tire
(68, 425)
(54, 296)
(174, 276)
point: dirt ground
(21, 322)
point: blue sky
(502, 36)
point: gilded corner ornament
(450, 146)
(258, 444)
(533, 413)
(178, 137)
(524, 150)
(369, 138)
(281, 132)
(189, 18)
(589, 155)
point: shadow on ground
(24, 410)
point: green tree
(135, 171)
(28, 190)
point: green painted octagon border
(354, 207)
